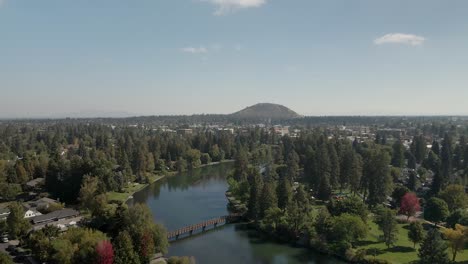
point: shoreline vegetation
(133, 188)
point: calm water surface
(192, 197)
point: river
(192, 197)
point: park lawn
(121, 197)
(402, 251)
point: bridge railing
(202, 225)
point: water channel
(192, 197)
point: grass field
(403, 251)
(121, 197)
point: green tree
(352, 205)
(268, 198)
(378, 176)
(256, 186)
(274, 218)
(446, 160)
(324, 189)
(9, 191)
(193, 158)
(62, 251)
(436, 210)
(124, 251)
(348, 228)
(433, 249)
(88, 191)
(181, 165)
(241, 163)
(398, 155)
(5, 259)
(418, 148)
(18, 226)
(295, 218)
(356, 173)
(83, 243)
(416, 233)
(334, 166)
(385, 219)
(398, 192)
(455, 197)
(205, 158)
(459, 216)
(412, 181)
(215, 153)
(292, 165)
(284, 192)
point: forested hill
(266, 111)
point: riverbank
(215, 163)
(123, 197)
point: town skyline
(119, 58)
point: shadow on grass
(365, 243)
(400, 249)
(374, 251)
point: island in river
(191, 197)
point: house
(55, 216)
(4, 212)
(281, 130)
(184, 131)
(31, 212)
(34, 184)
(45, 202)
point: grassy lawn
(130, 190)
(403, 251)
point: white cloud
(195, 50)
(226, 6)
(400, 38)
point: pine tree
(292, 165)
(418, 148)
(284, 192)
(241, 165)
(300, 197)
(379, 178)
(356, 173)
(346, 169)
(268, 198)
(253, 206)
(124, 251)
(412, 181)
(334, 166)
(433, 249)
(435, 147)
(446, 160)
(398, 156)
(324, 189)
(411, 161)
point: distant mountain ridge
(266, 111)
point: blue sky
(327, 57)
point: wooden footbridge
(203, 225)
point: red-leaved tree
(105, 252)
(409, 204)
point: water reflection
(192, 197)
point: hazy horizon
(319, 58)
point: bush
(181, 260)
